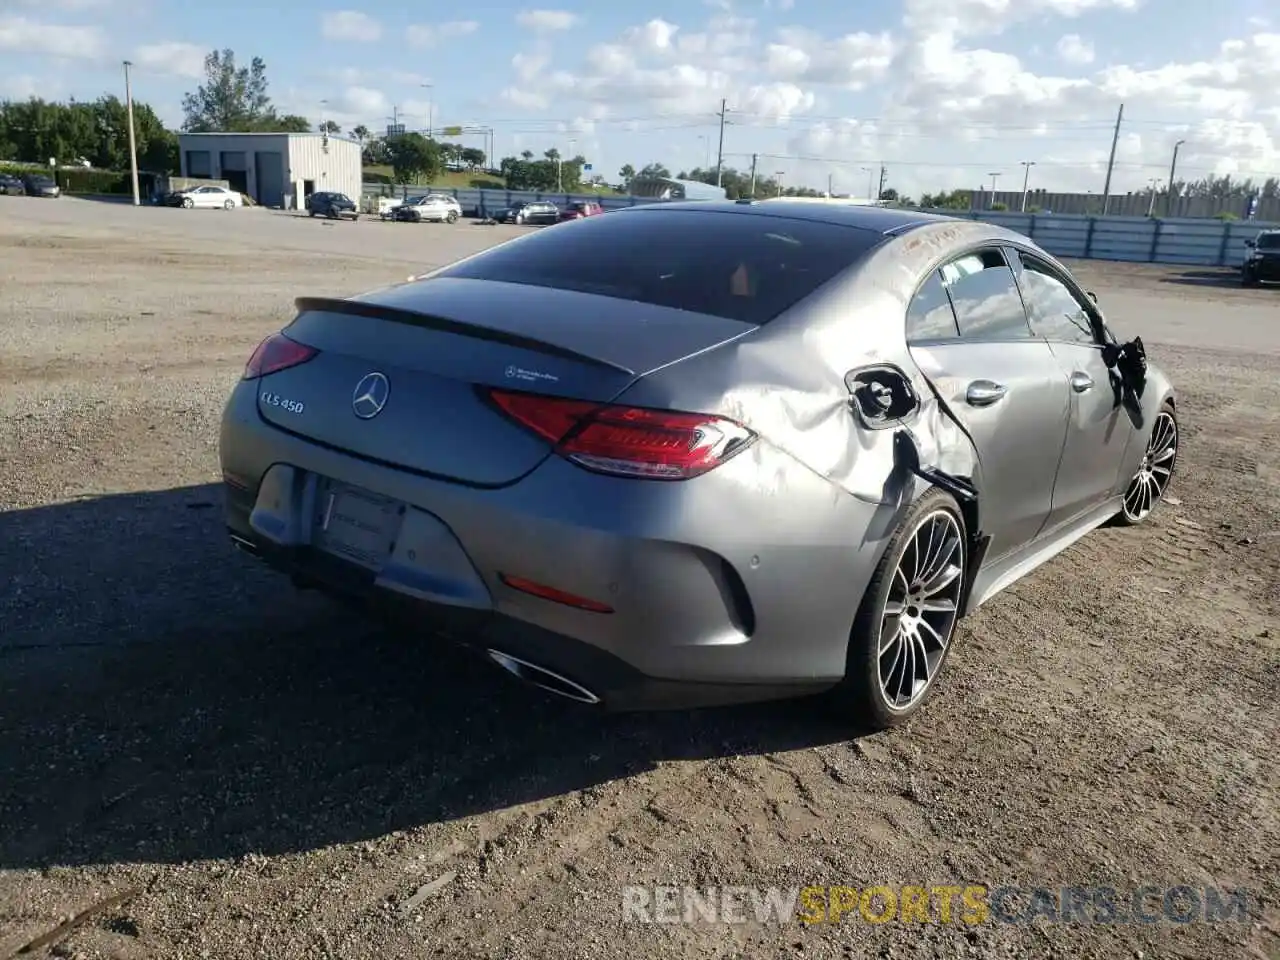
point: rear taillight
(627, 441)
(276, 353)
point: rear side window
(930, 316)
(985, 297)
(743, 267)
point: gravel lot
(270, 776)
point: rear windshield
(740, 266)
(1269, 241)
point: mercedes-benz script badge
(370, 395)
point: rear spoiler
(376, 311)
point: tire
(518, 220)
(229, 205)
(881, 688)
(1155, 473)
(1248, 280)
(187, 203)
(312, 212)
(452, 217)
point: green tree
(361, 133)
(413, 157)
(473, 157)
(627, 174)
(331, 128)
(232, 99)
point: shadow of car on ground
(164, 698)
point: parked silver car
(434, 207)
(697, 452)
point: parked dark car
(38, 185)
(11, 186)
(1262, 265)
(580, 209)
(529, 211)
(332, 205)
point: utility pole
(869, 172)
(1026, 177)
(994, 177)
(754, 157)
(829, 181)
(779, 174)
(1151, 207)
(1111, 163)
(133, 141)
(1173, 168)
(883, 174)
(724, 109)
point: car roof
(886, 220)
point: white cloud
(547, 20)
(20, 87)
(350, 25)
(430, 34)
(657, 35)
(22, 35)
(851, 61)
(173, 58)
(74, 6)
(361, 102)
(1075, 50)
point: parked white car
(435, 207)
(210, 198)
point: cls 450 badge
(284, 403)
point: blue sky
(943, 92)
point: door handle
(983, 393)
(1080, 382)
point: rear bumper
(615, 683)
(720, 592)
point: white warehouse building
(275, 169)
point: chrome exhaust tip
(541, 677)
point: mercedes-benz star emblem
(370, 395)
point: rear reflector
(541, 590)
(276, 353)
(627, 441)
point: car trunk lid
(437, 343)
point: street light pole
(1026, 177)
(133, 141)
(870, 172)
(1151, 207)
(431, 108)
(994, 177)
(1173, 168)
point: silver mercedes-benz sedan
(694, 453)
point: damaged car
(700, 452)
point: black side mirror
(1251, 244)
(1093, 296)
(1129, 360)
(881, 395)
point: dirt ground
(265, 775)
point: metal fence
(1192, 242)
(482, 203)
(1214, 243)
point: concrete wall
(1125, 205)
(1137, 239)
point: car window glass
(742, 267)
(985, 297)
(1054, 311)
(1269, 241)
(930, 315)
